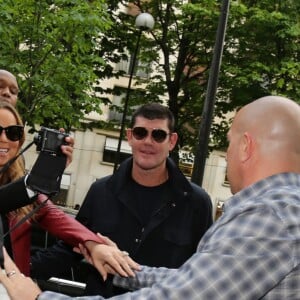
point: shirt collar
(260, 187)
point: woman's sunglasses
(13, 132)
(158, 135)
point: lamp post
(144, 21)
(208, 109)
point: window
(114, 113)
(116, 110)
(110, 150)
(141, 69)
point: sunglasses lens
(14, 133)
(159, 135)
(139, 133)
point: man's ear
(173, 140)
(246, 147)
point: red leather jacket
(53, 220)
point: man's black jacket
(169, 239)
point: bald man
(253, 250)
(9, 88)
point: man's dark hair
(153, 111)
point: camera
(49, 141)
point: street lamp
(144, 21)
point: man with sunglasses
(147, 207)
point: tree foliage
(262, 52)
(261, 56)
(51, 47)
(59, 48)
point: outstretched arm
(54, 220)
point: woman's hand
(68, 149)
(17, 285)
(108, 258)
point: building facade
(93, 158)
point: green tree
(261, 56)
(262, 53)
(184, 36)
(51, 46)
(58, 49)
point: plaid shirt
(251, 252)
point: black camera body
(46, 173)
(50, 141)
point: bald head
(266, 133)
(274, 121)
(9, 88)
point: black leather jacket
(169, 239)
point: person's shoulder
(101, 181)
(200, 195)
(97, 194)
(98, 185)
(199, 190)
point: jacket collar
(123, 175)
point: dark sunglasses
(13, 132)
(158, 135)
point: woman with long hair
(49, 216)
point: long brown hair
(17, 169)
